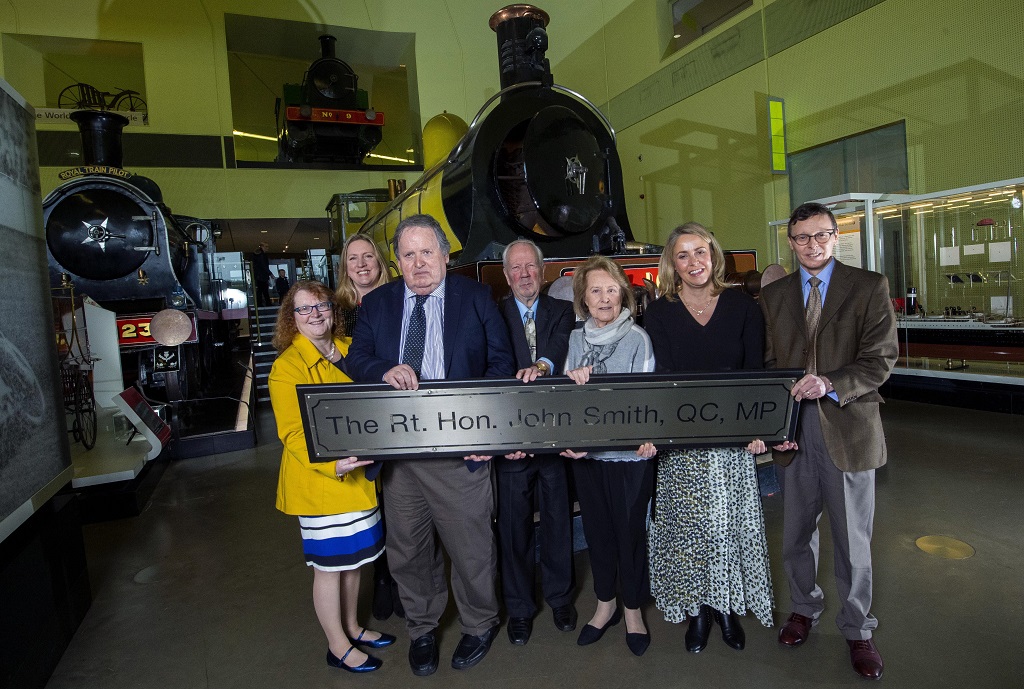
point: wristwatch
(543, 367)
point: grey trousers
(810, 483)
(430, 498)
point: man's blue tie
(416, 336)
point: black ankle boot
(700, 627)
(732, 632)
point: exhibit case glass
(955, 269)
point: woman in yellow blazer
(336, 504)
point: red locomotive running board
(331, 115)
(133, 331)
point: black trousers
(262, 293)
(543, 476)
(614, 497)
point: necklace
(699, 312)
(330, 355)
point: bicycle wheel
(84, 425)
(72, 98)
(129, 101)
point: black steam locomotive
(327, 118)
(541, 163)
(109, 234)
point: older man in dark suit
(838, 323)
(540, 327)
(432, 326)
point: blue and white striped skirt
(339, 542)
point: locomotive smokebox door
(559, 186)
(99, 232)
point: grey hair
(422, 220)
(521, 242)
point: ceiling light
(383, 157)
(253, 136)
(263, 231)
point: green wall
(953, 70)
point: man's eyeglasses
(819, 237)
(322, 306)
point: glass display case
(956, 275)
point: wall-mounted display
(59, 75)
(34, 456)
(327, 97)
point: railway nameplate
(499, 416)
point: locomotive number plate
(332, 115)
(133, 331)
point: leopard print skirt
(706, 543)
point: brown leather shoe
(796, 630)
(867, 662)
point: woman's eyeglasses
(322, 306)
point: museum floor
(207, 589)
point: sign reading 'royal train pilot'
(458, 418)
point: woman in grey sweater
(614, 488)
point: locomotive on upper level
(111, 236)
(327, 118)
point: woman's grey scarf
(600, 343)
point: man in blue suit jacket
(435, 326)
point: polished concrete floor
(207, 588)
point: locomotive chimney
(101, 136)
(522, 42)
(327, 45)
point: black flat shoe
(698, 631)
(423, 655)
(519, 630)
(383, 641)
(564, 617)
(638, 643)
(732, 632)
(368, 665)
(472, 649)
(589, 634)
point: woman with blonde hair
(362, 270)
(708, 555)
(336, 505)
(614, 487)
